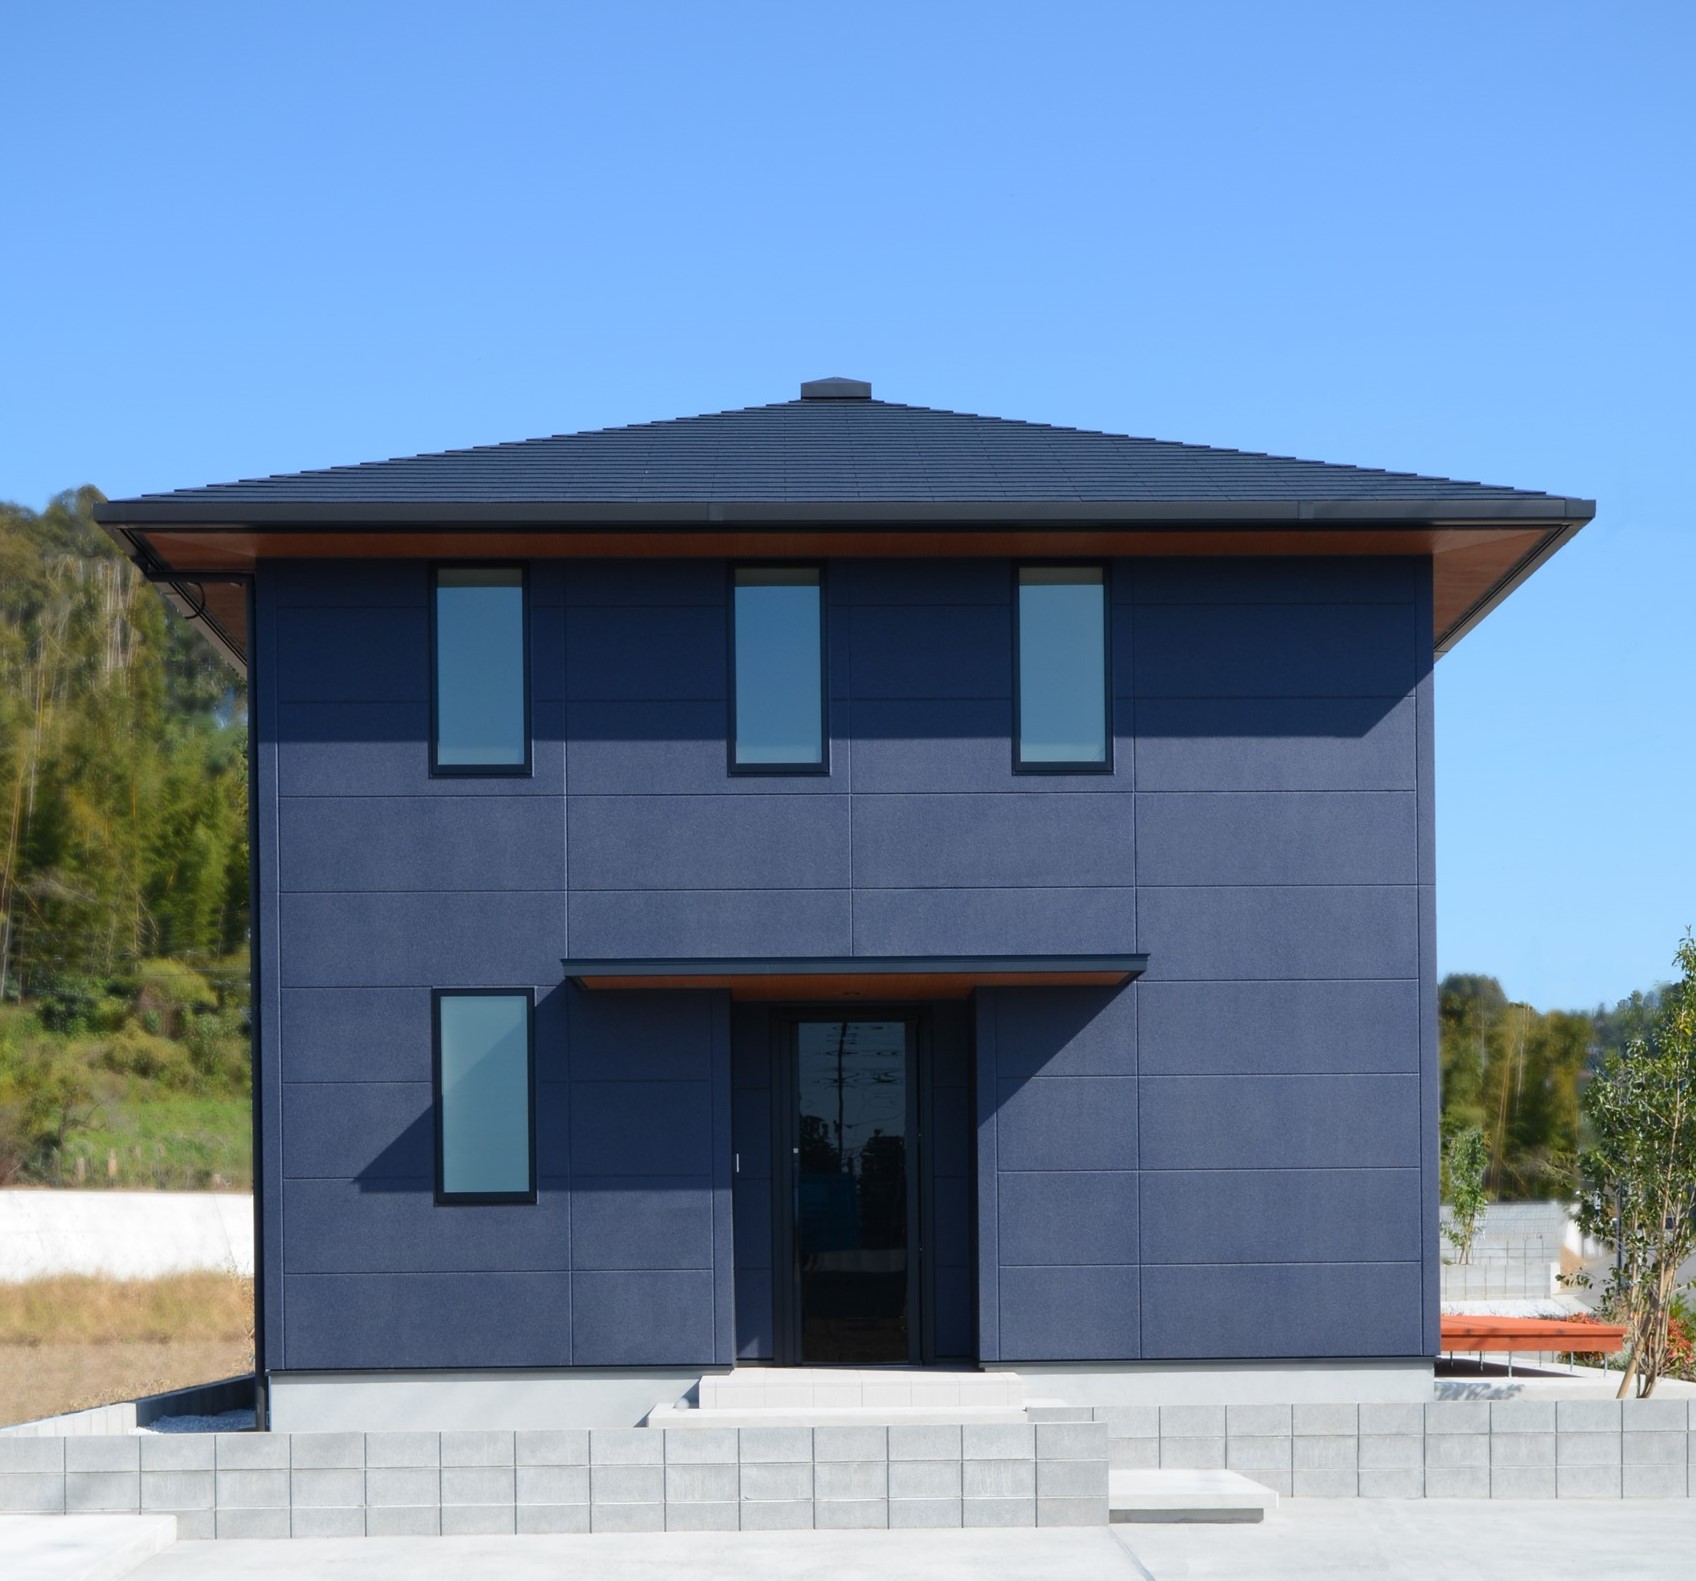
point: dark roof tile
(839, 451)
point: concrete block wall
(97, 1420)
(1517, 1255)
(203, 1399)
(1449, 1449)
(1052, 1471)
(1503, 1278)
(228, 1485)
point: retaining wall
(1046, 1473)
(1450, 1449)
(621, 1480)
(1505, 1278)
(123, 1234)
(200, 1399)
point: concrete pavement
(1304, 1540)
(1431, 1540)
(80, 1547)
(1090, 1554)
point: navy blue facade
(1233, 1157)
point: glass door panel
(851, 1219)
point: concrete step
(1186, 1496)
(833, 1388)
(832, 1416)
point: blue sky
(1449, 238)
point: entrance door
(853, 1111)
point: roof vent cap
(835, 390)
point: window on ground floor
(485, 1095)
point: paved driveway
(1309, 1540)
(1054, 1555)
(1431, 1540)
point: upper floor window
(1061, 717)
(777, 660)
(480, 680)
(485, 1084)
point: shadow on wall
(659, 721)
(1039, 1033)
(624, 1101)
(637, 650)
(408, 1163)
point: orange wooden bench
(1528, 1334)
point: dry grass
(72, 1309)
(45, 1380)
(73, 1341)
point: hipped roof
(836, 474)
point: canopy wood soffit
(1477, 558)
(892, 977)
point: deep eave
(1481, 549)
(837, 474)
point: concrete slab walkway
(1431, 1540)
(80, 1547)
(1304, 1540)
(1079, 1554)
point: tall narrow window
(777, 718)
(485, 1124)
(480, 673)
(1063, 699)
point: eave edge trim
(1126, 966)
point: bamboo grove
(123, 797)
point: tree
(1464, 1161)
(1640, 1171)
(1514, 1073)
(1469, 1009)
(62, 1101)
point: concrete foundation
(361, 1402)
(603, 1397)
(1229, 1382)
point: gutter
(231, 513)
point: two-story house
(839, 884)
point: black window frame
(438, 769)
(472, 1199)
(785, 770)
(1105, 766)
